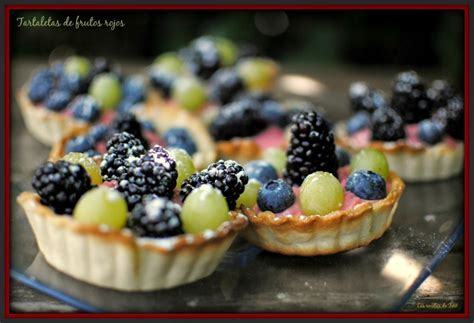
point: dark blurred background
(396, 39)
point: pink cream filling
(272, 137)
(350, 200)
(362, 138)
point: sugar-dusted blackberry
(156, 218)
(122, 148)
(311, 148)
(151, 174)
(237, 119)
(162, 80)
(225, 84)
(202, 57)
(409, 97)
(127, 122)
(452, 117)
(227, 176)
(60, 185)
(439, 93)
(387, 125)
(362, 98)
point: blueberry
(162, 81)
(148, 126)
(80, 144)
(126, 105)
(86, 108)
(57, 69)
(275, 196)
(272, 112)
(357, 122)
(261, 171)
(98, 133)
(71, 83)
(430, 131)
(40, 86)
(367, 185)
(343, 157)
(58, 100)
(180, 138)
(133, 89)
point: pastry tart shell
(413, 163)
(323, 235)
(118, 260)
(48, 127)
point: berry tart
(166, 127)
(210, 71)
(321, 205)
(75, 94)
(140, 220)
(421, 131)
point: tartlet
(45, 125)
(335, 232)
(414, 163)
(117, 259)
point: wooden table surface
(26, 153)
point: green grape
(77, 65)
(258, 73)
(249, 196)
(189, 93)
(370, 159)
(277, 158)
(227, 51)
(321, 193)
(205, 208)
(102, 205)
(170, 62)
(91, 167)
(184, 164)
(106, 89)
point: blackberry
(121, 149)
(126, 122)
(439, 93)
(364, 99)
(311, 148)
(202, 57)
(452, 117)
(60, 185)
(409, 98)
(154, 173)
(227, 176)
(225, 84)
(387, 125)
(237, 119)
(162, 81)
(156, 217)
